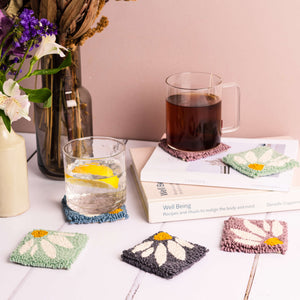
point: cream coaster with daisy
(254, 236)
(260, 161)
(49, 249)
(164, 255)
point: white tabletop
(99, 273)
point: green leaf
(39, 96)
(2, 79)
(66, 63)
(6, 120)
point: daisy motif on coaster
(74, 217)
(164, 255)
(260, 161)
(254, 236)
(49, 249)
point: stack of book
(173, 190)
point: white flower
(48, 46)
(14, 104)
(251, 160)
(47, 242)
(174, 247)
(256, 236)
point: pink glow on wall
(254, 43)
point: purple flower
(29, 26)
(25, 34)
(33, 29)
(5, 25)
(47, 28)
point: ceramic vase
(14, 199)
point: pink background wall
(254, 43)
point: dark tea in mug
(193, 121)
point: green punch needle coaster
(49, 249)
(260, 161)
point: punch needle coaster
(260, 161)
(192, 155)
(49, 249)
(74, 217)
(254, 236)
(164, 255)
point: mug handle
(236, 124)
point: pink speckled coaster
(254, 236)
(190, 155)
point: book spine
(187, 209)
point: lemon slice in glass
(94, 169)
(111, 180)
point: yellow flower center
(257, 167)
(39, 233)
(116, 211)
(273, 241)
(161, 236)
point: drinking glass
(194, 111)
(95, 174)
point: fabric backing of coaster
(49, 249)
(164, 255)
(73, 217)
(260, 161)
(254, 236)
(191, 155)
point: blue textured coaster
(73, 217)
(164, 255)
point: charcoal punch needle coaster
(164, 255)
(260, 161)
(254, 236)
(192, 155)
(49, 249)
(74, 217)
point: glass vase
(69, 117)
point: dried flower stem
(91, 32)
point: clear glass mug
(194, 111)
(95, 174)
